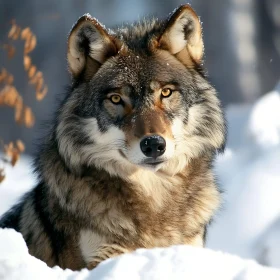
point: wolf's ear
(89, 45)
(182, 36)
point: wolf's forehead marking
(154, 85)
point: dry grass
(11, 97)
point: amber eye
(166, 92)
(116, 99)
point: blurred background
(242, 55)
(242, 46)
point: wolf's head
(139, 98)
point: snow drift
(177, 262)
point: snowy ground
(248, 225)
(177, 262)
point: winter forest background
(242, 55)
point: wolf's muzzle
(153, 146)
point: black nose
(153, 146)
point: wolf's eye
(166, 92)
(116, 99)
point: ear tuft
(182, 36)
(89, 43)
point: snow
(249, 172)
(248, 224)
(264, 122)
(18, 180)
(177, 262)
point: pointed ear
(89, 45)
(182, 36)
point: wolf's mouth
(152, 162)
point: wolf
(128, 161)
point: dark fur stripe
(57, 238)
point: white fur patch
(102, 138)
(177, 127)
(105, 151)
(89, 242)
(106, 144)
(65, 143)
(186, 24)
(215, 136)
(176, 35)
(155, 185)
(188, 141)
(76, 59)
(98, 49)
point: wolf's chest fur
(152, 212)
(128, 160)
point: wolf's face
(139, 98)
